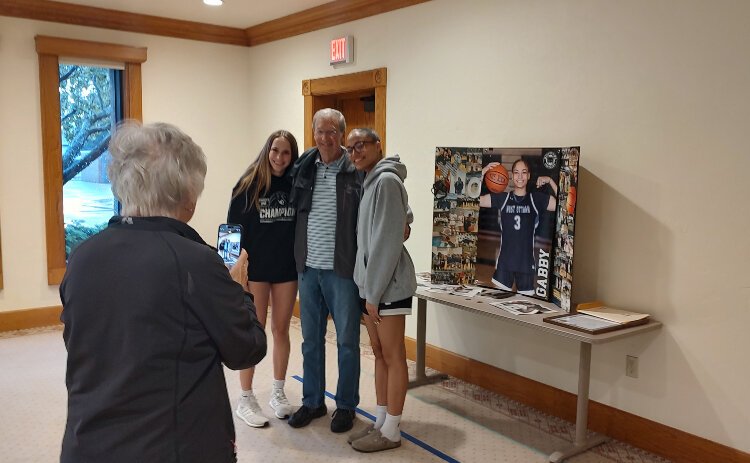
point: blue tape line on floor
(405, 435)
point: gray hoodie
(383, 270)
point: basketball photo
(517, 215)
(504, 218)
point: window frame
(49, 51)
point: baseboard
(654, 437)
(30, 318)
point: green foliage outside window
(77, 232)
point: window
(56, 141)
(89, 109)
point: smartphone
(229, 243)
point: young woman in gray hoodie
(384, 273)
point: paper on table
(587, 322)
(520, 307)
(614, 315)
(469, 292)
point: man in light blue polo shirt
(326, 191)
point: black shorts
(524, 281)
(402, 307)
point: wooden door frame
(374, 79)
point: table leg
(582, 443)
(423, 378)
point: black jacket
(150, 314)
(348, 193)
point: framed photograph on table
(591, 324)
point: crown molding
(319, 17)
(80, 15)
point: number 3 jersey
(268, 232)
(519, 218)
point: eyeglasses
(358, 147)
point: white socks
(247, 393)
(278, 383)
(380, 411)
(390, 429)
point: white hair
(330, 114)
(154, 169)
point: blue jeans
(322, 292)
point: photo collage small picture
(458, 182)
(565, 228)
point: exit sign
(341, 50)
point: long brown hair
(258, 173)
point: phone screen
(229, 243)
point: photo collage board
(505, 218)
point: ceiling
(234, 13)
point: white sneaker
(250, 412)
(280, 404)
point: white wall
(655, 92)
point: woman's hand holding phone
(238, 271)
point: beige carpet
(452, 421)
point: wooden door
(359, 96)
(358, 109)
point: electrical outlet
(631, 366)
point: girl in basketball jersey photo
(519, 212)
(260, 203)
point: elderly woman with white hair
(151, 313)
